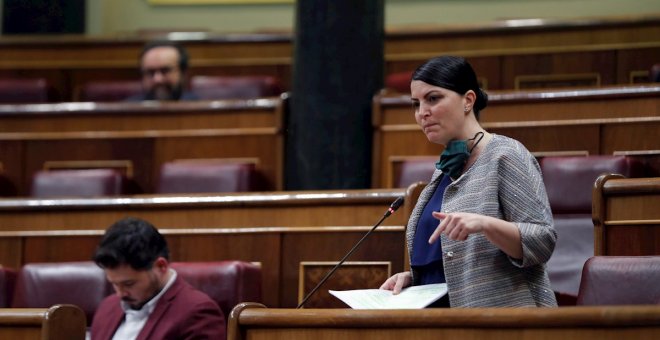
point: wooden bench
(143, 135)
(595, 121)
(254, 321)
(626, 216)
(59, 322)
(281, 252)
(616, 49)
(236, 210)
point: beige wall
(111, 16)
(106, 17)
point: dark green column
(338, 67)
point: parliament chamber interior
(213, 175)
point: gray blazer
(504, 182)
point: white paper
(415, 297)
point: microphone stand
(393, 207)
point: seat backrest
(226, 282)
(399, 81)
(15, 91)
(412, 170)
(620, 280)
(108, 91)
(7, 283)
(79, 183)
(569, 180)
(7, 187)
(235, 87)
(200, 176)
(41, 285)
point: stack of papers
(415, 297)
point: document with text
(415, 297)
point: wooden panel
(350, 275)
(612, 322)
(601, 63)
(385, 244)
(626, 216)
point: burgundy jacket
(181, 313)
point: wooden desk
(59, 322)
(626, 216)
(249, 321)
(145, 134)
(613, 48)
(599, 121)
(279, 250)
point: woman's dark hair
(455, 74)
(131, 241)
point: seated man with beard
(163, 65)
(151, 300)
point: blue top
(427, 258)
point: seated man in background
(151, 301)
(163, 65)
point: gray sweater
(504, 182)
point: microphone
(393, 207)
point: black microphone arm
(393, 207)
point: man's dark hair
(131, 241)
(183, 54)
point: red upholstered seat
(399, 81)
(226, 282)
(208, 176)
(620, 280)
(235, 87)
(569, 182)
(7, 188)
(7, 282)
(16, 91)
(79, 183)
(655, 73)
(42, 285)
(108, 91)
(413, 170)
(84, 284)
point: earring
(467, 109)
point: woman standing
(483, 224)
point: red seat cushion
(41, 285)
(226, 282)
(109, 91)
(235, 87)
(207, 176)
(14, 91)
(79, 183)
(620, 280)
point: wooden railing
(626, 216)
(252, 321)
(59, 322)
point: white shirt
(134, 319)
